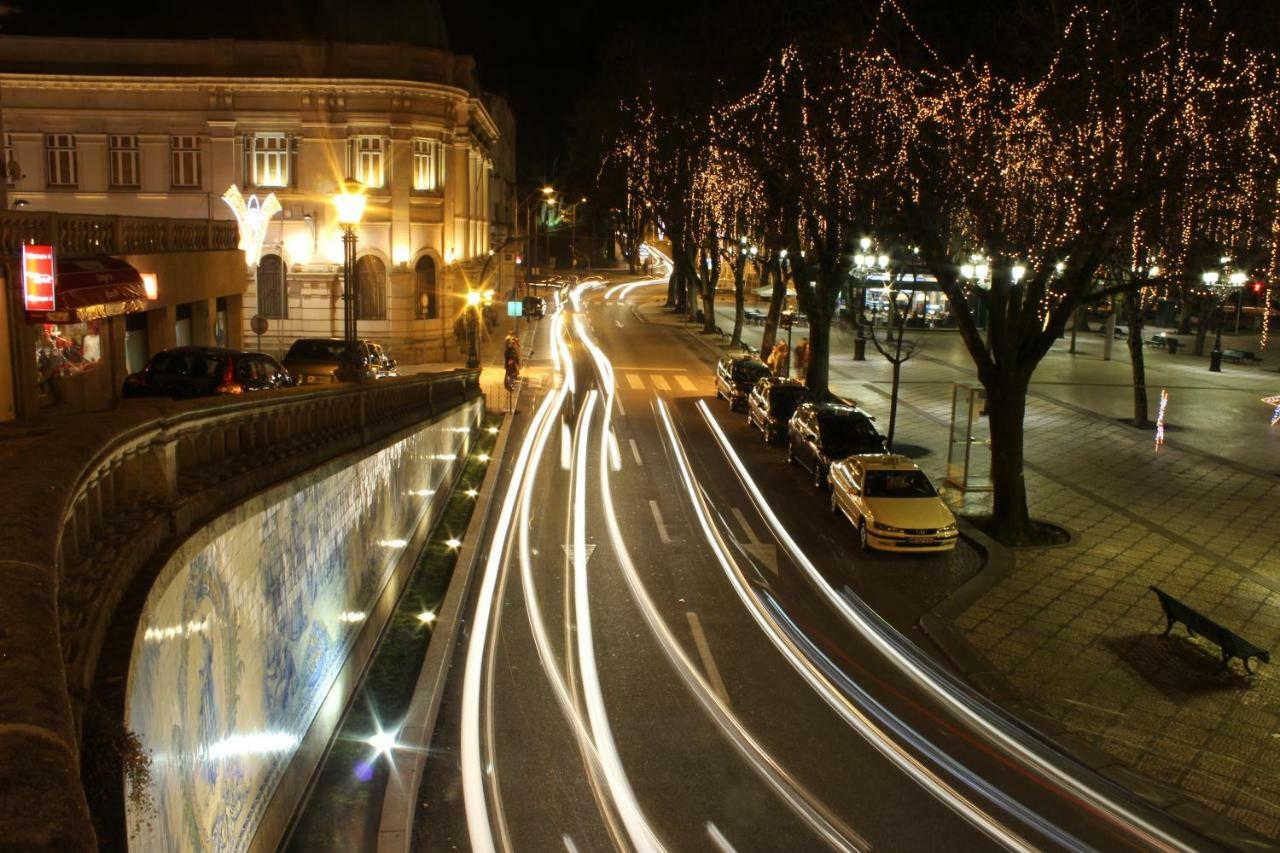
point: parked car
(185, 372)
(892, 503)
(819, 434)
(535, 306)
(736, 375)
(772, 403)
(316, 360)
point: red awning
(91, 288)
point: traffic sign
(515, 309)
(259, 324)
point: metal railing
(85, 234)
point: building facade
(163, 128)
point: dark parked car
(535, 306)
(736, 375)
(186, 372)
(316, 360)
(822, 433)
(772, 403)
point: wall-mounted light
(151, 285)
(400, 255)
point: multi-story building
(164, 127)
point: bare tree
(892, 342)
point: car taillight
(229, 385)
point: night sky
(546, 56)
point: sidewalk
(1074, 629)
(492, 370)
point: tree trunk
(1140, 412)
(709, 308)
(776, 299)
(739, 303)
(819, 373)
(1184, 315)
(1006, 410)
(1202, 331)
(893, 405)
(673, 288)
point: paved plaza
(1074, 629)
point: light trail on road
(951, 692)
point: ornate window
(272, 289)
(186, 161)
(63, 164)
(427, 304)
(270, 159)
(124, 160)
(428, 164)
(368, 160)
(371, 288)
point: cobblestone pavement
(1075, 629)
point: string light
(1164, 404)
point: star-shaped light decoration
(252, 218)
(1273, 401)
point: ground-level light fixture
(471, 493)
(426, 617)
(454, 544)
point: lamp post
(349, 204)
(475, 299)
(1221, 289)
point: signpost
(38, 276)
(259, 325)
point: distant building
(162, 128)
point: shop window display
(67, 349)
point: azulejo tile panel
(248, 625)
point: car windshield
(898, 484)
(196, 365)
(847, 434)
(749, 371)
(317, 350)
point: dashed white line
(635, 451)
(708, 662)
(746, 528)
(717, 838)
(657, 519)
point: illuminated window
(186, 161)
(124, 160)
(371, 289)
(270, 160)
(428, 164)
(368, 160)
(63, 165)
(272, 287)
(424, 274)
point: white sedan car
(892, 503)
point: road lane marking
(565, 453)
(660, 383)
(615, 455)
(570, 846)
(617, 401)
(717, 838)
(657, 519)
(683, 382)
(636, 383)
(746, 528)
(635, 451)
(708, 662)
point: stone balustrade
(83, 234)
(95, 507)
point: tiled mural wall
(248, 625)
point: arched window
(371, 289)
(272, 293)
(427, 302)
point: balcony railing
(83, 234)
(114, 494)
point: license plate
(919, 540)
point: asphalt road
(652, 662)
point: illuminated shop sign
(38, 277)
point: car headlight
(888, 528)
(950, 528)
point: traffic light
(1257, 287)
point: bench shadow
(1177, 665)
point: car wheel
(862, 534)
(819, 476)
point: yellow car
(892, 503)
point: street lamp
(349, 204)
(1213, 283)
(473, 311)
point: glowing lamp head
(382, 742)
(859, 260)
(151, 285)
(882, 261)
(488, 297)
(1060, 266)
(1210, 278)
(1018, 272)
(981, 271)
(865, 243)
(966, 270)
(350, 203)
(1238, 279)
(1154, 272)
(473, 298)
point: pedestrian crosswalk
(660, 382)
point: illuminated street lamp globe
(350, 203)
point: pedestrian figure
(802, 359)
(780, 360)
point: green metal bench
(1231, 643)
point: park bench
(754, 317)
(1231, 643)
(1238, 356)
(1157, 341)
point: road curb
(395, 831)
